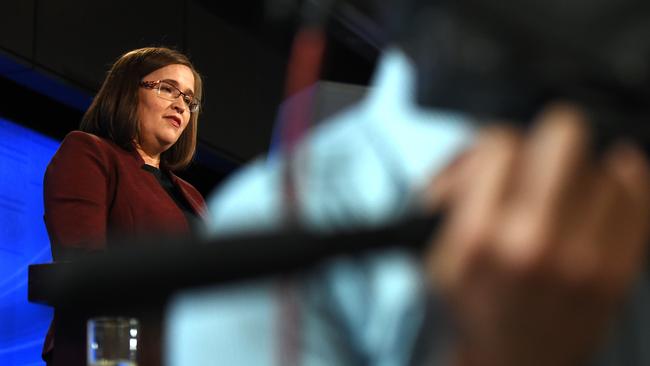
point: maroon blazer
(94, 190)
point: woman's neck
(152, 159)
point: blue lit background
(24, 154)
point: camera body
(505, 59)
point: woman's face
(162, 121)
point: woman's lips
(175, 121)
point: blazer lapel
(197, 205)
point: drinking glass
(113, 341)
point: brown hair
(113, 112)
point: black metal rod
(145, 271)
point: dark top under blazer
(94, 189)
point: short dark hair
(113, 112)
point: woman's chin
(167, 141)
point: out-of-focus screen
(24, 155)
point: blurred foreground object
(537, 259)
(508, 59)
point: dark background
(54, 55)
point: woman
(114, 177)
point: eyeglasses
(168, 91)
